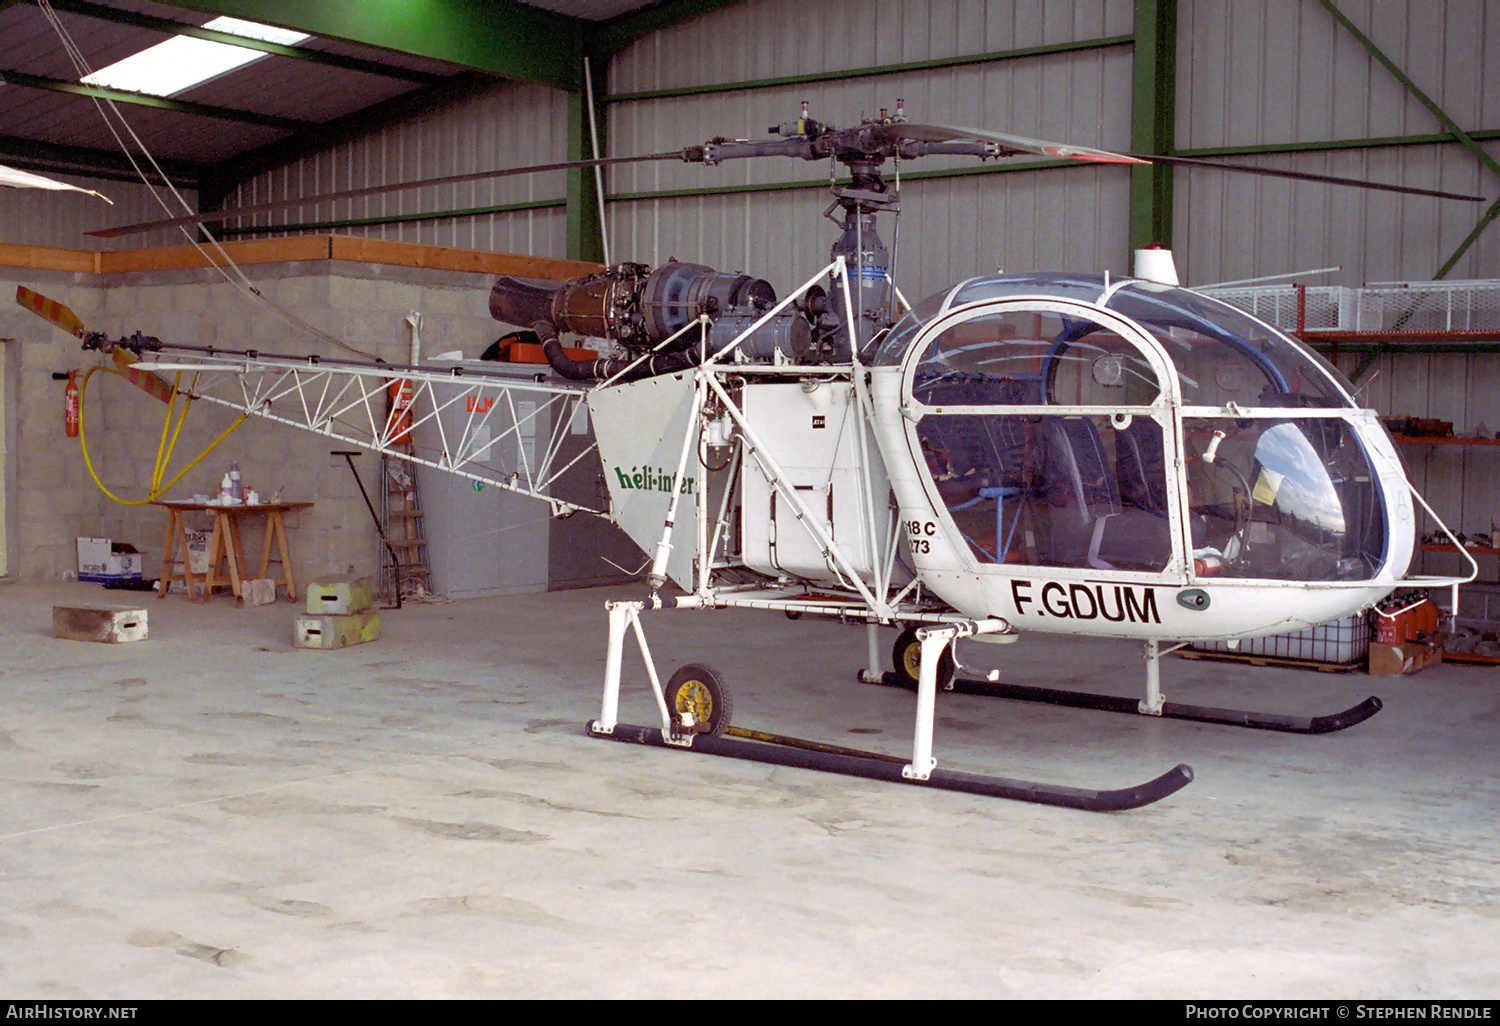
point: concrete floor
(214, 813)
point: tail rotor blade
(50, 310)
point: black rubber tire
(906, 656)
(701, 689)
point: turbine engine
(641, 309)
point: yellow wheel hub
(694, 697)
(911, 661)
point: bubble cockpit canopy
(1221, 354)
(1044, 433)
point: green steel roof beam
(180, 28)
(498, 37)
(18, 78)
(1152, 121)
(609, 38)
(1442, 116)
(45, 158)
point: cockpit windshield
(1042, 429)
(1292, 500)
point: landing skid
(876, 767)
(1154, 704)
(695, 706)
(1169, 710)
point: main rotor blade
(18, 179)
(373, 190)
(944, 133)
(1309, 177)
(50, 310)
(1021, 144)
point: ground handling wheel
(698, 701)
(907, 657)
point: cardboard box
(1399, 660)
(100, 559)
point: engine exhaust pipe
(523, 301)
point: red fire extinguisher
(398, 425)
(70, 404)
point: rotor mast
(863, 149)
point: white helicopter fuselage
(1056, 452)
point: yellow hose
(163, 449)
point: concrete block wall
(50, 500)
(364, 305)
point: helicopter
(1051, 452)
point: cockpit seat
(1141, 536)
(1081, 490)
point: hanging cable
(239, 280)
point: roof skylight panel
(182, 62)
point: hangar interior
(216, 812)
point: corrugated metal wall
(1250, 73)
(1280, 72)
(510, 125)
(951, 228)
(58, 220)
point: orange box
(530, 352)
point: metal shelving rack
(1388, 317)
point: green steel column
(585, 239)
(1153, 120)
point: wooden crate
(337, 631)
(109, 624)
(338, 596)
